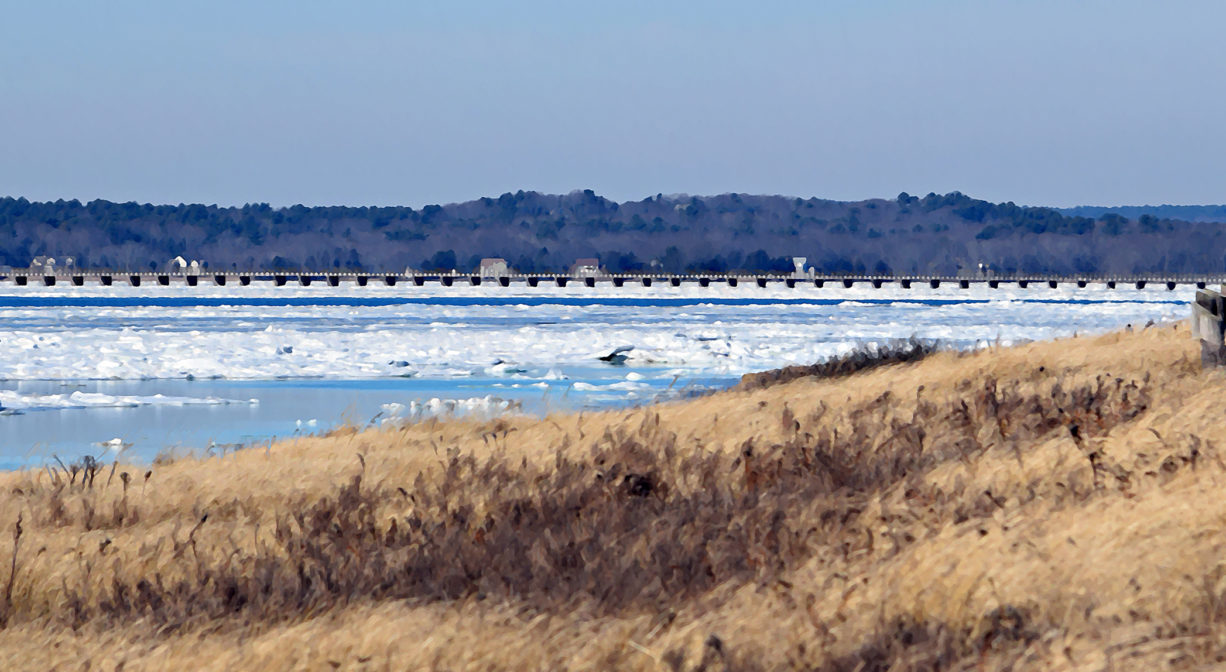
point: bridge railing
(282, 277)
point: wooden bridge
(79, 278)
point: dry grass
(862, 358)
(1053, 506)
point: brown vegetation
(1050, 506)
(862, 358)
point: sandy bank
(1055, 505)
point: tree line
(534, 232)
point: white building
(586, 267)
(183, 266)
(494, 267)
(43, 264)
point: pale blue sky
(376, 103)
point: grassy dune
(1052, 506)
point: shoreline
(423, 352)
(1031, 506)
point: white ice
(11, 400)
(520, 341)
(481, 407)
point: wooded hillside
(538, 232)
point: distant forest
(537, 232)
(1187, 213)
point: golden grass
(1051, 506)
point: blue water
(50, 344)
(285, 408)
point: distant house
(494, 267)
(977, 272)
(181, 265)
(585, 267)
(43, 264)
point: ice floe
(487, 406)
(517, 333)
(12, 400)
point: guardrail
(79, 278)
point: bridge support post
(334, 281)
(560, 281)
(106, 280)
(589, 282)
(49, 280)
(1081, 284)
(134, 280)
(78, 280)
(390, 281)
(192, 281)
(704, 282)
(1140, 284)
(1209, 326)
(732, 282)
(164, 280)
(964, 284)
(219, 280)
(244, 280)
(906, 284)
(1053, 284)
(762, 283)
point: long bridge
(280, 278)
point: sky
(318, 102)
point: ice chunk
(14, 400)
